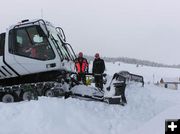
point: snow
(147, 109)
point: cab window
(2, 43)
(31, 42)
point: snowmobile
(114, 93)
(36, 60)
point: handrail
(60, 29)
(71, 49)
(37, 21)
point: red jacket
(81, 65)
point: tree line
(134, 61)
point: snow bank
(157, 124)
(50, 116)
(57, 115)
(147, 109)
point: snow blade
(118, 84)
(114, 100)
(110, 100)
(119, 96)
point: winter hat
(80, 54)
(97, 55)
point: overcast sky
(143, 29)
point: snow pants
(81, 77)
(98, 81)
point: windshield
(30, 42)
(59, 45)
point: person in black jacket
(98, 70)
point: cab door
(31, 50)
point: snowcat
(36, 60)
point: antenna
(42, 13)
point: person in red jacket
(82, 67)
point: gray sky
(143, 29)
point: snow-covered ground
(147, 109)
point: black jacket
(98, 66)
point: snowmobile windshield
(59, 45)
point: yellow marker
(88, 80)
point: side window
(22, 43)
(2, 43)
(32, 42)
